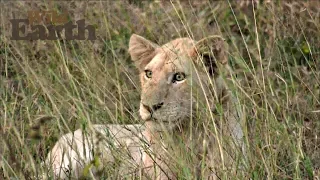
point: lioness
(183, 98)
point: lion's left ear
(141, 50)
(212, 51)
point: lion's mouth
(155, 114)
(147, 108)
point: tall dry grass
(49, 88)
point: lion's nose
(157, 106)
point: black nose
(157, 106)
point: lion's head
(176, 75)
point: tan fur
(168, 109)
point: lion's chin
(145, 115)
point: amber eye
(178, 77)
(148, 73)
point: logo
(50, 25)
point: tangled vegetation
(49, 88)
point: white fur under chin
(144, 113)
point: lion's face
(168, 76)
(165, 83)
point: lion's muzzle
(146, 111)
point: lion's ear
(141, 50)
(213, 52)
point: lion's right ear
(213, 53)
(141, 50)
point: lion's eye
(148, 73)
(178, 77)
